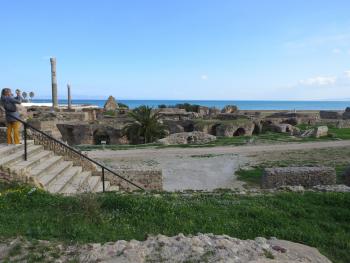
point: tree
(31, 95)
(146, 127)
(24, 95)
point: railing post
(103, 179)
(25, 141)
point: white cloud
(336, 51)
(319, 81)
(204, 77)
(347, 73)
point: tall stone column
(54, 82)
(69, 97)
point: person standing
(19, 96)
(13, 125)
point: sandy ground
(201, 168)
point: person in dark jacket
(19, 96)
(13, 125)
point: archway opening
(239, 132)
(101, 137)
(257, 129)
(213, 129)
(189, 128)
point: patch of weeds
(16, 250)
(268, 254)
(251, 177)
(55, 254)
(35, 257)
(207, 256)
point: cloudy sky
(178, 49)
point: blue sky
(180, 49)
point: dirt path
(218, 150)
(200, 168)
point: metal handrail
(27, 125)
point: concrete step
(16, 156)
(93, 182)
(99, 187)
(43, 167)
(79, 184)
(6, 149)
(34, 159)
(63, 179)
(9, 149)
(50, 175)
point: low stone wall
(305, 176)
(3, 134)
(347, 176)
(330, 115)
(151, 179)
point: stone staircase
(48, 170)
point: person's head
(18, 92)
(6, 92)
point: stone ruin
(195, 137)
(295, 176)
(111, 104)
(93, 125)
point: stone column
(54, 82)
(69, 97)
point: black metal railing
(71, 149)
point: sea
(242, 104)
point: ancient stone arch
(189, 128)
(239, 132)
(101, 135)
(213, 129)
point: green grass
(317, 219)
(251, 177)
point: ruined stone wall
(151, 179)
(3, 135)
(47, 126)
(305, 176)
(330, 115)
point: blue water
(242, 104)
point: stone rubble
(340, 188)
(160, 248)
(195, 137)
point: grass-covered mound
(315, 219)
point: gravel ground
(204, 168)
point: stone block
(304, 176)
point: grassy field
(316, 219)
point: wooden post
(69, 97)
(54, 82)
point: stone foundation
(147, 179)
(3, 134)
(305, 176)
